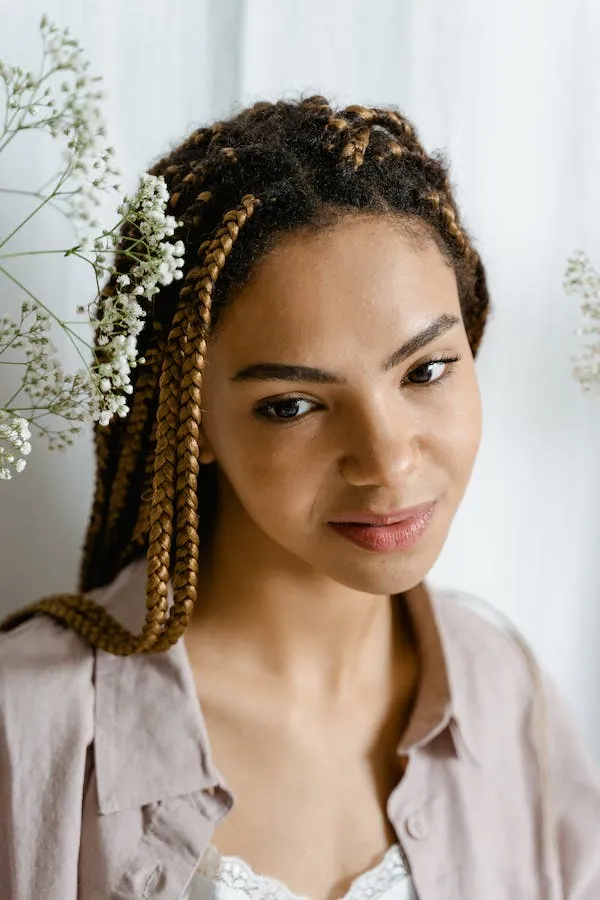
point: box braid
(235, 188)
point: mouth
(369, 517)
(402, 530)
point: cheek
(461, 435)
(269, 474)
(280, 468)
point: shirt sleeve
(46, 726)
(574, 796)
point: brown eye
(433, 371)
(282, 410)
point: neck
(314, 637)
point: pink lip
(386, 538)
(366, 517)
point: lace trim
(235, 873)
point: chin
(383, 576)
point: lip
(400, 535)
(369, 517)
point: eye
(285, 409)
(433, 371)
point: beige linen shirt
(108, 788)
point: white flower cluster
(582, 279)
(51, 392)
(147, 259)
(14, 444)
(120, 318)
(71, 113)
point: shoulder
(48, 672)
(46, 675)
(488, 657)
(481, 632)
(39, 642)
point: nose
(382, 448)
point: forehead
(349, 285)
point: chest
(310, 804)
(463, 833)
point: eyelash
(262, 409)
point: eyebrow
(284, 372)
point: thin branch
(72, 335)
(40, 206)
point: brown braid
(309, 164)
(137, 422)
(141, 528)
(200, 287)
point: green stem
(40, 206)
(31, 253)
(71, 251)
(48, 182)
(8, 123)
(42, 77)
(23, 193)
(38, 194)
(72, 335)
(16, 337)
(14, 396)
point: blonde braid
(445, 211)
(137, 421)
(356, 147)
(359, 122)
(141, 529)
(447, 214)
(162, 508)
(83, 616)
(200, 285)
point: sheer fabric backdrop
(511, 91)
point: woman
(293, 710)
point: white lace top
(230, 878)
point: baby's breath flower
(582, 279)
(15, 447)
(120, 318)
(64, 100)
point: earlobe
(206, 455)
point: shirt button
(153, 882)
(416, 827)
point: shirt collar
(443, 698)
(151, 738)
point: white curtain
(511, 92)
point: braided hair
(235, 188)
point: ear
(207, 454)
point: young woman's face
(295, 453)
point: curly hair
(235, 188)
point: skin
(301, 617)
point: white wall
(511, 91)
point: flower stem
(40, 206)
(72, 335)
